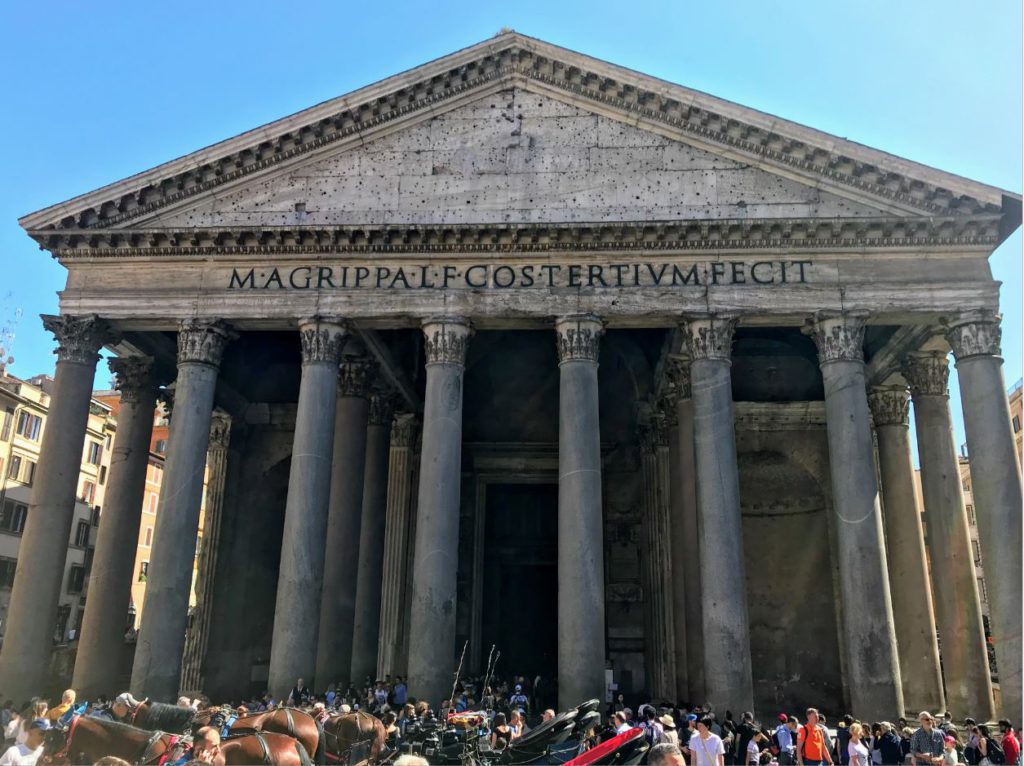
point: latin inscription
(491, 276)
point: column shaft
(728, 677)
(958, 607)
(874, 674)
(431, 648)
(32, 612)
(666, 573)
(156, 672)
(341, 563)
(996, 483)
(912, 606)
(297, 612)
(366, 628)
(581, 629)
(396, 548)
(110, 583)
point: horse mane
(116, 726)
(169, 718)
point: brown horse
(264, 747)
(289, 721)
(345, 732)
(88, 739)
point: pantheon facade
(521, 349)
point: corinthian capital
(220, 430)
(889, 405)
(927, 372)
(79, 339)
(678, 371)
(202, 341)
(974, 333)
(382, 408)
(578, 337)
(403, 431)
(446, 339)
(355, 374)
(839, 336)
(709, 337)
(322, 340)
(132, 376)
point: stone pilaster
(958, 610)
(394, 595)
(975, 338)
(728, 676)
(341, 563)
(158, 653)
(193, 670)
(297, 613)
(581, 648)
(366, 627)
(912, 605)
(96, 664)
(871, 663)
(432, 652)
(685, 533)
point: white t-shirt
(707, 750)
(753, 749)
(858, 754)
(20, 755)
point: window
(29, 426)
(966, 484)
(7, 567)
(1016, 424)
(14, 471)
(981, 590)
(95, 516)
(143, 570)
(161, 446)
(5, 429)
(12, 517)
(977, 551)
(94, 453)
(30, 472)
(149, 537)
(970, 515)
(76, 579)
(88, 492)
(103, 474)
(90, 554)
(82, 534)
(107, 441)
(152, 503)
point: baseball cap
(40, 723)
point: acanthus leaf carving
(709, 337)
(322, 340)
(132, 375)
(355, 376)
(890, 405)
(927, 373)
(578, 338)
(202, 341)
(976, 333)
(838, 336)
(79, 338)
(445, 340)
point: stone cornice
(720, 234)
(779, 416)
(514, 60)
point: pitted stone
(322, 340)
(839, 336)
(578, 337)
(446, 339)
(890, 405)
(202, 341)
(709, 337)
(927, 373)
(79, 339)
(975, 333)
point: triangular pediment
(515, 129)
(514, 156)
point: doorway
(520, 578)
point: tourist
(949, 755)
(620, 723)
(928, 745)
(668, 724)
(67, 701)
(517, 723)
(812, 744)
(206, 746)
(753, 748)
(400, 695)
(889, 745)
(785, 737)
(1010, 743)
(665, 754)
(299, 695)
(391, 731)
(706, 748)
(971, 752)
(27, 752)
(744, 733)
(989, 749)
(857, 751)
(547, 715)
(501, 734)
(519, 699)
(843, 739)
(411, 760)
(906, 733)
(12, 728)
(653, 731)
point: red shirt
(1011, 747)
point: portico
(518, 265)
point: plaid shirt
(927, 742)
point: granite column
(432, 618)
(958, 607)
(32, 612)
(581, 629)
(299, 583)
(156, 672)
(996, 481)
(871, 664)
(341, 561)
(912, 605)
(110, 584)
(728, 678)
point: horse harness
(147, 753)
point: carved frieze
(355, 375)
(202, 341)
(975, 333)
(79, 339)
(890, 405)
(927, 373)
(709, 337)
(322, 340)
(445, 340)
(578, 338)
(839, 336)
(132, 375)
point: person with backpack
(812, 746)
(654, 732)
(991, 752)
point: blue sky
(93, 92)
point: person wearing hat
(668, 723)
(27, 753)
